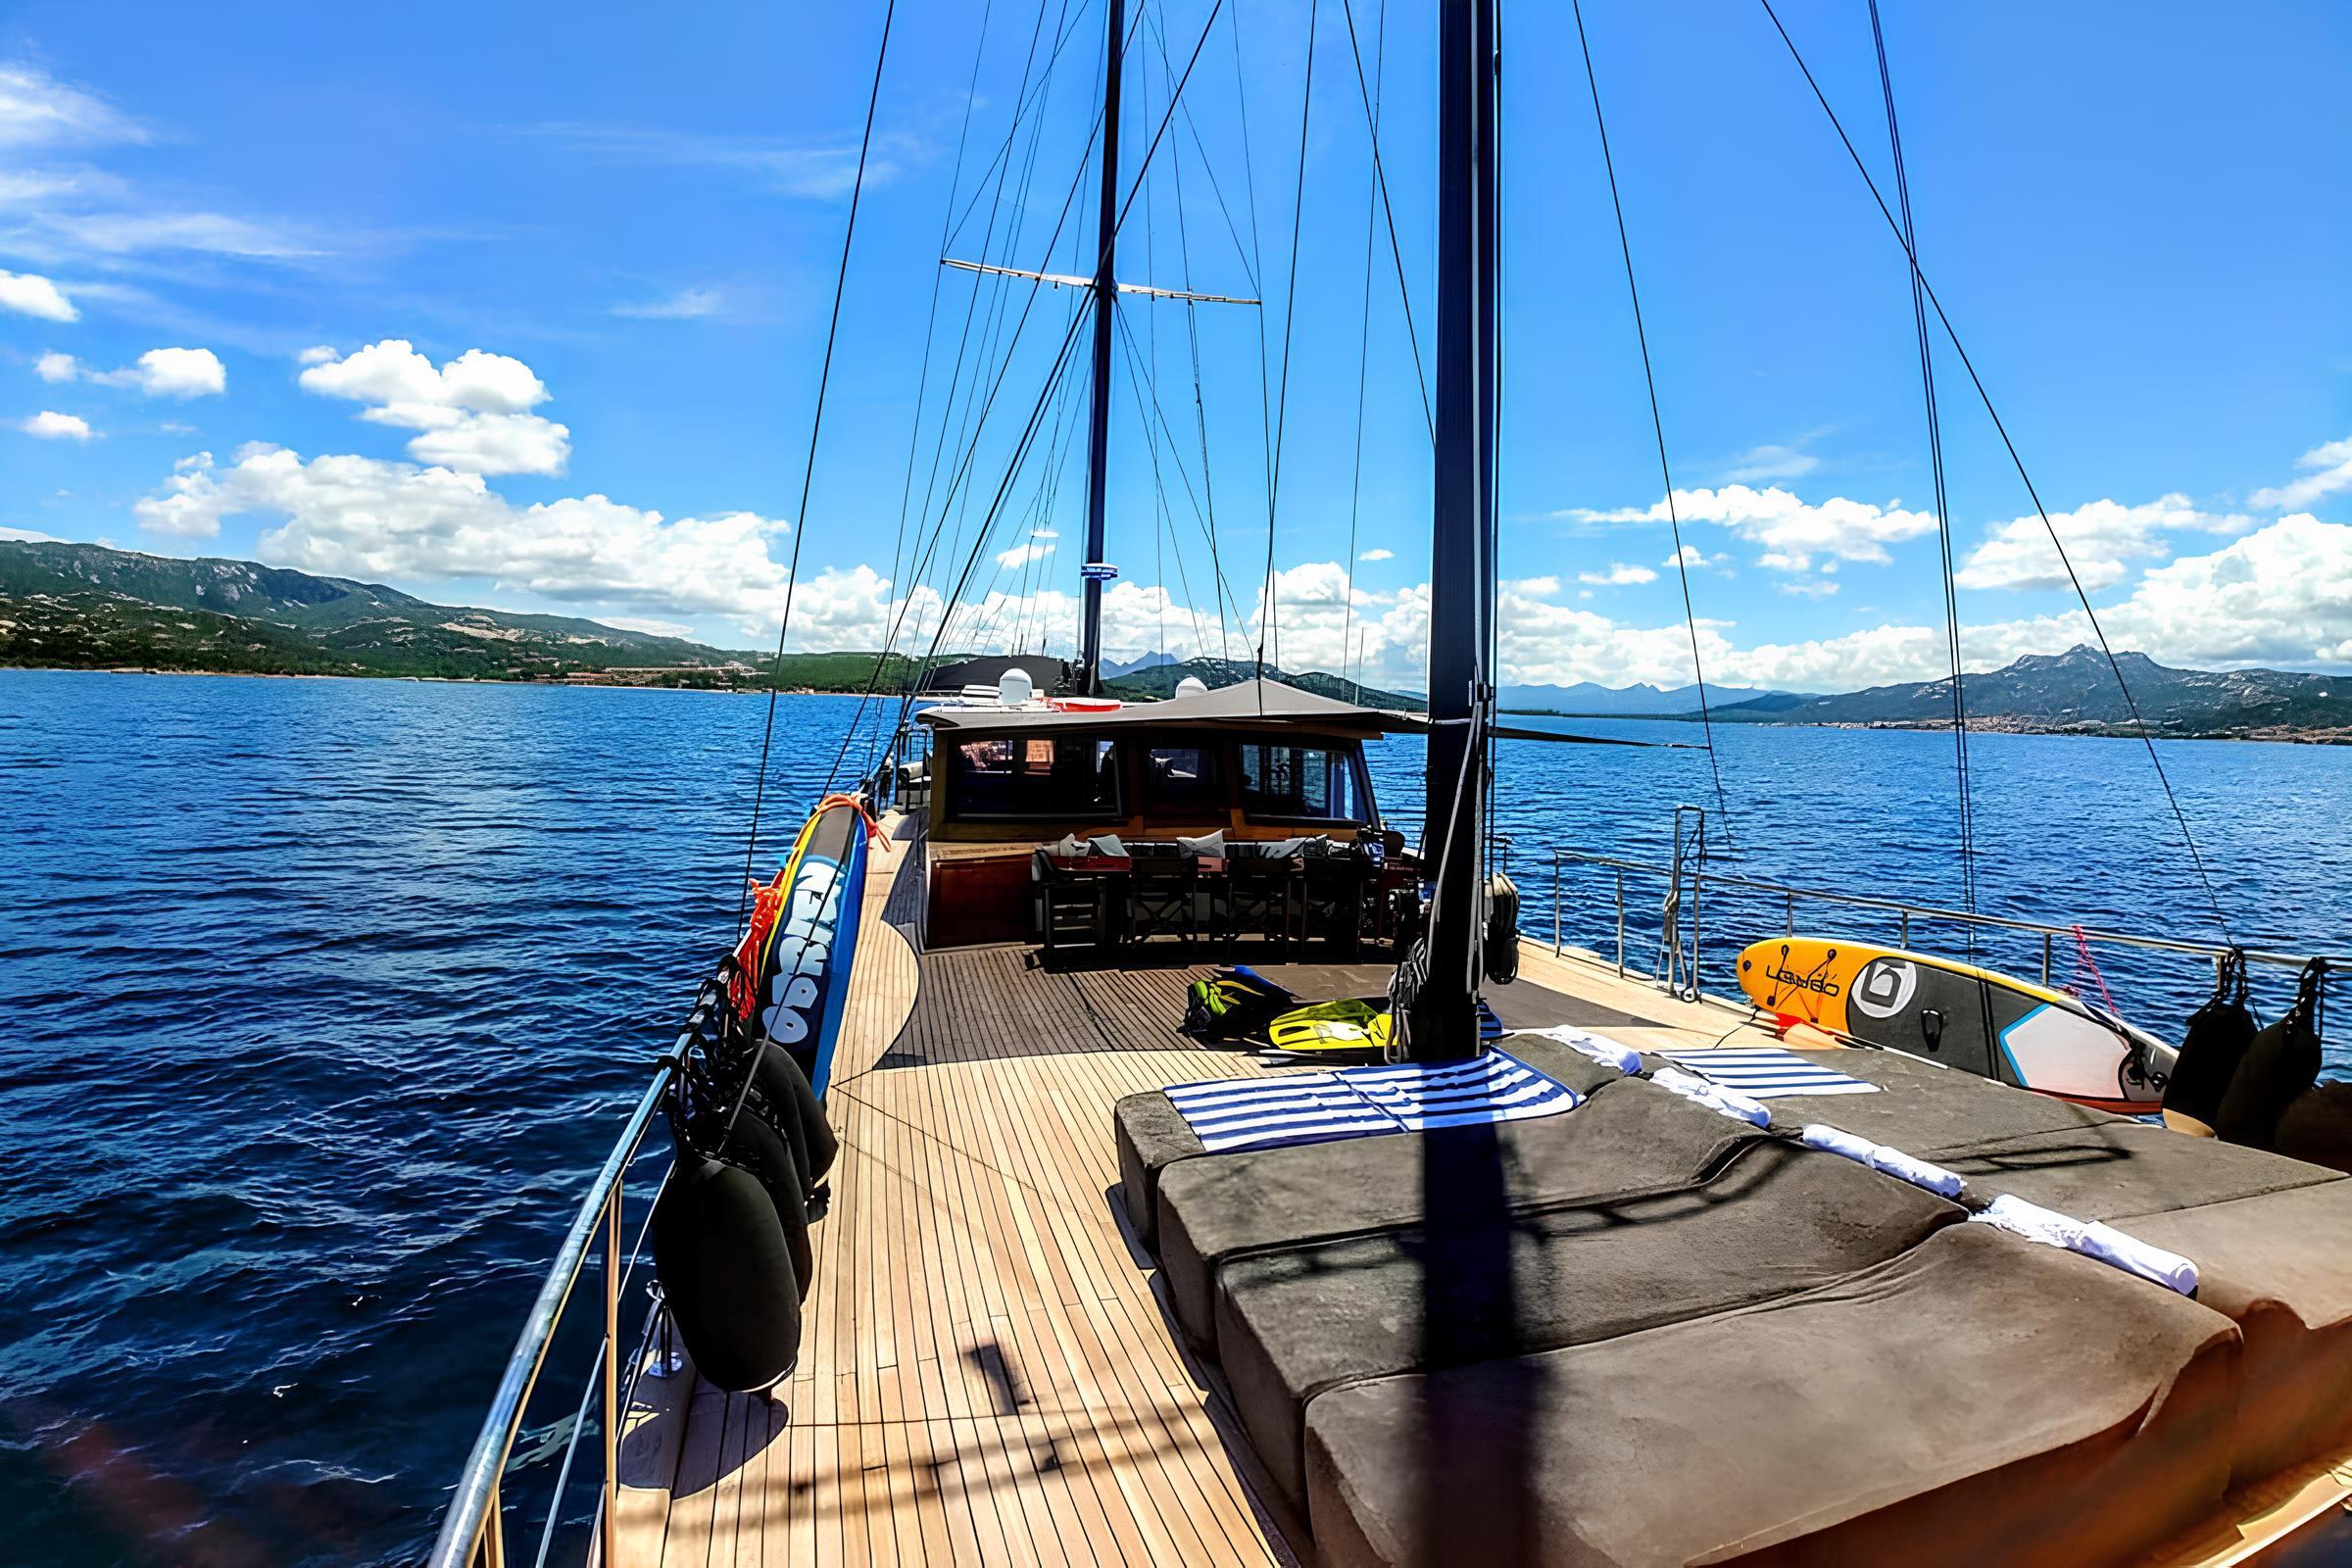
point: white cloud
(1769, 463)
(49, 426)
(472, 411)
(2333, 472)
(1790, 531)
(1021, 555)
(370, 518)
(2102, 538)
(824, 170)
(1811, 587)
(175, 427)
(37, 110)
(27, 536)
(1378, 555)
(132, 233)
(1618, 575)
(158, 373)
(1693, 559)
(28, 294)
(181, 373)
(686, 304)
(319, 354)
(649, 625)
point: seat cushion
(2281, 1266)
(1778, 1219)
(1628, 1138)
(1977, 1400)
(2119, 1170)
(1929, 1110)
(1151, 1134)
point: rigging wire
(817, 423)
(1363, 358)
(922, 385)
(1380, 178)
(2018, 462)
(1943, 512)
(1078, 316)
(1269, 617)
(1657, 424)
(1192, 332)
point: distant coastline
(1992, 725)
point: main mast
(1106, 301)
(1437, 995)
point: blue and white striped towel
(1767, 1072)
(1358, 1101)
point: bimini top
(1251, 704)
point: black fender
(726, 1273)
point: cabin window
(1304, 783)
(1182, 781)
(1046, 777)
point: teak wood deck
(984, 1374)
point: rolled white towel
(1724, 1102)
(1918, 1172)
(2092, 1239)
(2135, 1256)
(1837, 1141)
(1608, 1053)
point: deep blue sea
(324, 997)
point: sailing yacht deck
(985, 1374)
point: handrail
(473, 1509)
(1907, 909)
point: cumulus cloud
(158, 373)
(1036, 548)
(1693, 559)
(28, 294)
(1618, 575)
(317, 353)
(1791, 532)
(49, 426)
(1378, 555)
(371, 517)
(2331, 472)
(473, 412)
(2102, 539)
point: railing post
(1791, 914)
(2045, 958)
(612, 1553)
(1904, 940)
(1556, 903)
(1620, 922)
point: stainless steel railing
(474, 1530)
(1689, 872)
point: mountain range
(2077, 690)
(1590, 696)
(89, 607)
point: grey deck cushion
(2126, 1168)
(1928, 1111)
(1980, 1400)
(1153, 1134)
(2281, 1266)
(1628, 1138)
(1778, 1219)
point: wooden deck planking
(986, 1377)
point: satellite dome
(1014, 688)
(1191, 686)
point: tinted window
(1182, 779)
(1300, 781)
(1048, 777)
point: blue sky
(524, 307)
